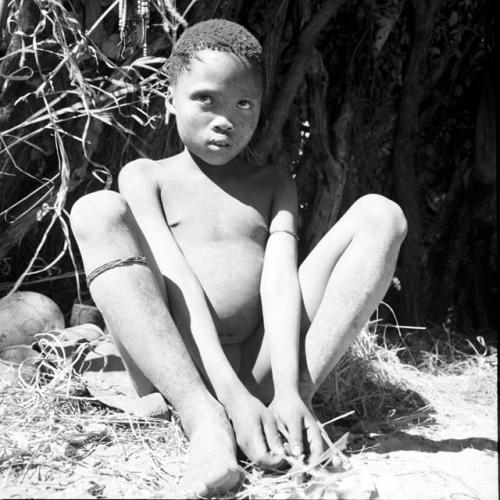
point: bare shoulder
(138, 171)
(145, 170)
(284, 208)
(282, 180)
(143, 167)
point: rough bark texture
(329, 171)
(405, 144)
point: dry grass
(371, 380)
(55, 441)
(74, 104)
(54, 436)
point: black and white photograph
(248, 249)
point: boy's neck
(234, 167)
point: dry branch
(293, 79)
(71, 91)
(14, 234)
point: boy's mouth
(219, 144)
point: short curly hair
(213, 34)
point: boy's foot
(212, 465)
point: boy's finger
(254, 446)
(295, 437)
(315, 440)
(258, 449)
(273, 437)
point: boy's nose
(222, 123)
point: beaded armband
(114, 263)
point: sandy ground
(452, 455)
(425, 465)
(454, 458)
(433, 463)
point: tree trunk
(329, 171)
(405, 147)
(284, 96)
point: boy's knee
(381, 213)
(97, 213)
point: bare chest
(209, 212)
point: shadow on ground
(377, 405)
(402, 441)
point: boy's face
(217, 104)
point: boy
(194, 267)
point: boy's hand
(256, 431)
(299, 425)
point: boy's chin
(216, 159)
(221, 162)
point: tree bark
(330, 172)
(294, 77)
(405, 146)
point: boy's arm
(139, 187)
(280, 289)
(281, 306)
(249, 416)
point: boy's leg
(133, 302)
(342, 280)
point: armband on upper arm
(291, 233)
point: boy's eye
(204, 99)
(245, 104)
